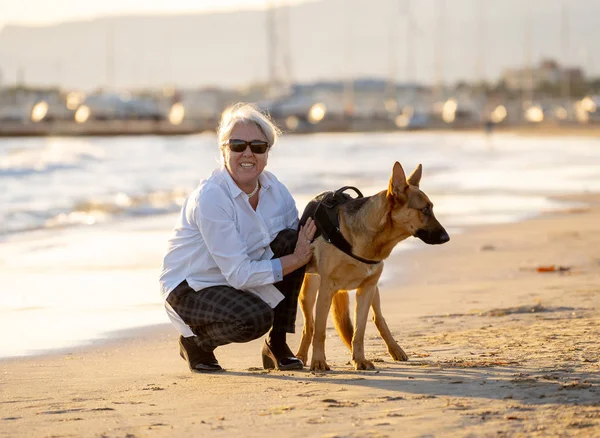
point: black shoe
(198, 360)
(281, 358)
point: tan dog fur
(385, 219)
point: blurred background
(131, 67)
(108, 113)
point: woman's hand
(303, 251)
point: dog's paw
(319, 365)
(363, 364)
(303, 357)
(397, 353)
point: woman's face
(245, 167)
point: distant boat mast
(439, 51)
(480, 68)
(564, 36)
(348, 92)
(393, 20)
(481, 38)
(285, 37)
(410, 54)
(271, 48)
(110, 55)
(279, 59)
(527, 92)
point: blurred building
(548, 72)
(32, 104)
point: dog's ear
(415, 178)
(397, 181)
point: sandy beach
(496, 348)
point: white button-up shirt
(219, 239)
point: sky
(42, 12)
(502, 43)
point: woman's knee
(256, 325)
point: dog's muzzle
(436, 237)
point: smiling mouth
(246, 165)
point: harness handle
(343, 189)
(336, 198)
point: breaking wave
(50, 156)
(97, 210)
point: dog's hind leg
(307, 298)
(364, 296)
(393, 348)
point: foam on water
(73, 181)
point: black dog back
(309, 211)
(328, 203)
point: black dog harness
(327, 220)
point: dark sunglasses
(256, 146)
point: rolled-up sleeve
(215, 219)
(277, 270)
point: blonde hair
(246, 113)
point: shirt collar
(233, 187)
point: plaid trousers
(219, 315)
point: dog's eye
(426, 210)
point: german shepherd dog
(373, 226)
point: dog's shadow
(532, 386)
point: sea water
(84, 221)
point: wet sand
(495, 348)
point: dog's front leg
(324, 298)
(394, 349)
(308, 296)
(364, 297)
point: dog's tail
(341, 317)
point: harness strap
(327, 220)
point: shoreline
(113, 340)
(495, 349)
(114, 337)
(118, 128)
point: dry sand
(496, 349)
